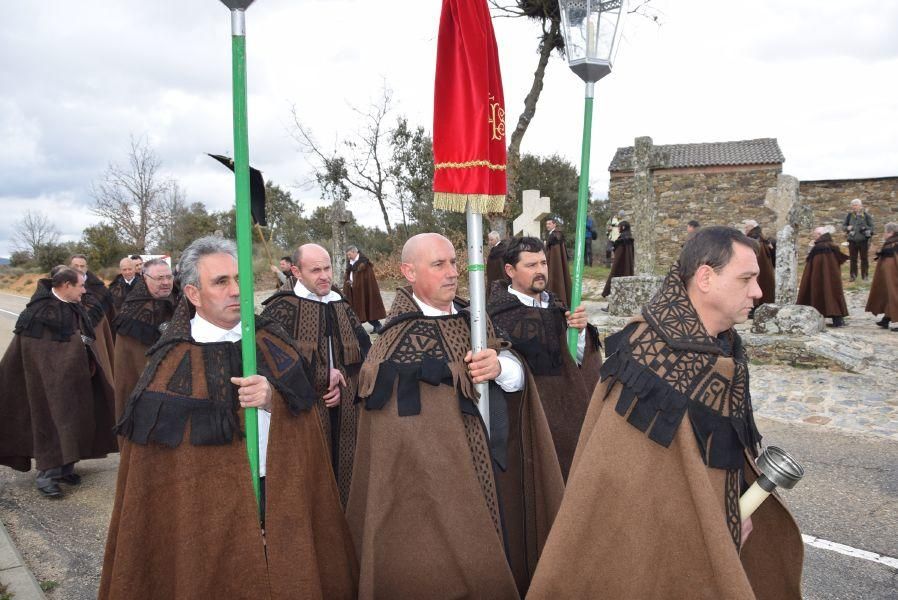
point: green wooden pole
(244, 233)
(582, 205)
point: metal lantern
(591, 30)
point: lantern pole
(244, 227)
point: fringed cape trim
(44, 312)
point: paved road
(849, 496)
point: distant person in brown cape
(138, 326)
(821, 282)
(284, 271)
(57, 402)
(766, 262)
(651, 507)
(624, 260)
(124, 282)
(536, 324)
(556, 252)
(333, 342)
(439, 507)
(883, 297)
(495, 268)
(361, 290)
(185, 523)
(94, 285)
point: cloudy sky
(79, 78)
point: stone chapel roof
(763, 151)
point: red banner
(469, 112)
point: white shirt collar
(58, 297)
(352, 261)
(205, 332)
(303, 292)
(430, 311)
(128, 281)
(528, 300)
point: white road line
(15, 295)
(849, 551)
(9, 312)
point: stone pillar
(645, 211)
(339, 218)
(629, 294)
(790, 215)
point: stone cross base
(788, 319)
(630, 294)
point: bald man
(124, 282)
(439, 507)
(333, 341)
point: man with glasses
(143, 316)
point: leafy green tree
(103, 246)
(20, 258)
(50, 255)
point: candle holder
(778, 469)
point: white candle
(751, 500)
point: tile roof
(763, 151)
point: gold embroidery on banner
(470, 163)
(497, 119)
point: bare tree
(547, 14)
(33, 232)
(131, 197)
(365, 167)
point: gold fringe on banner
(480, 203)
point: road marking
(15, 295)
(849, 551)
(9, 312)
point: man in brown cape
(439, 507)
(94, 285)
(57, 402)
(766, 261)
(495, 268)
(624, 261)
(333, 342)
(185, 523)
(144, 314)
(361, 290)
(124, 282)
(97, 301)
(821, 282)
(883, 297)
(536, 323)
(651, 508)
(556, 253)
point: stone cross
(790, 215)
(534, 210)
(646, 158)
(339, 218)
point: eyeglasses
(161, 277)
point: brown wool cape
(559, 275)
(651, 507)
(311, 324)
(137, 327)
(495, 265)
(57, 400)
(437, 508)
(363, 294)
(94, 285)
(821, 282)
(185, 522)
(766, 270)
(883, 297)
(104, 346)
(539, 335)
(119, 290)
(624, 261)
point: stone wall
(728, 195)
(830, 199)
(710, 195)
